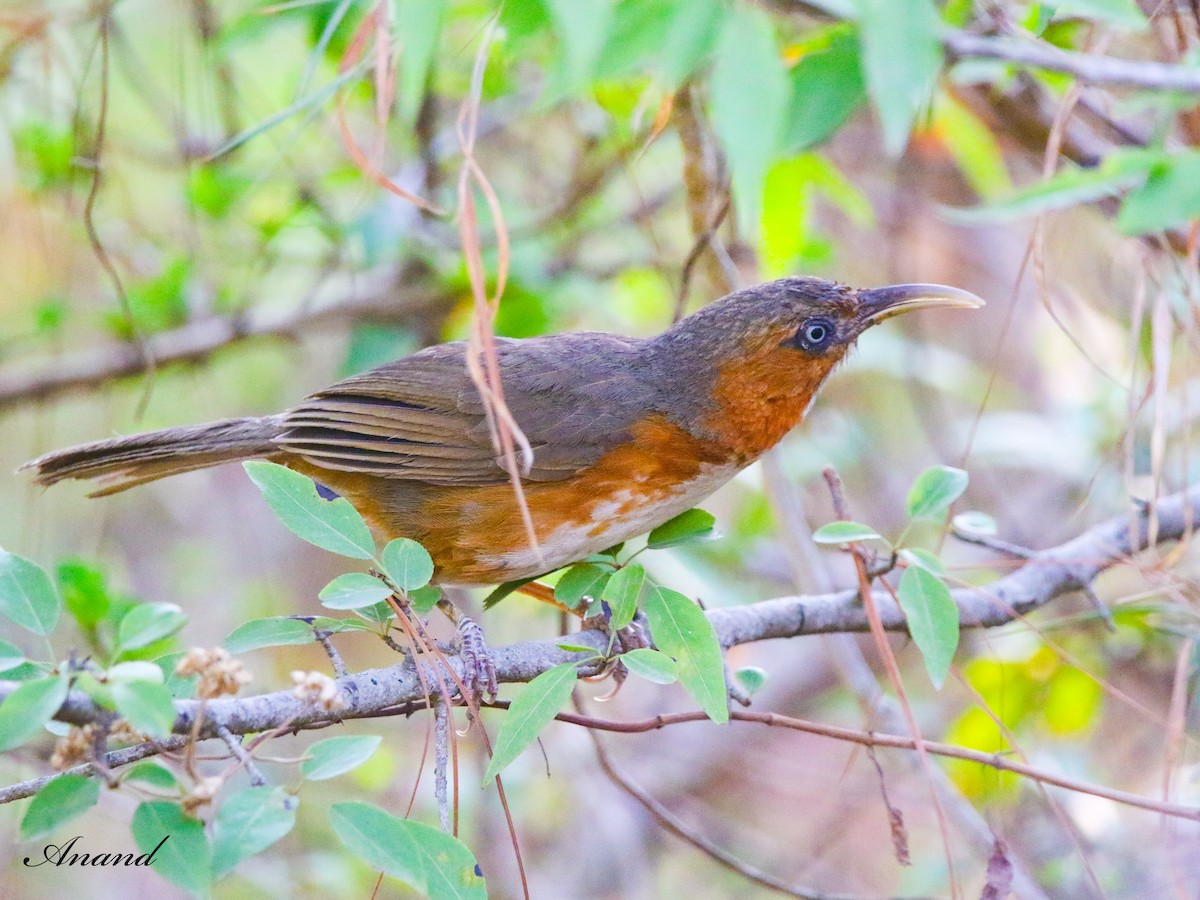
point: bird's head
(766, 350)
(811, 317)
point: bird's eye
(815, 334)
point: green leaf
(621, 593)
(27, 595)
(419, 22)
(826, 88)
(184, 858)
(653, 665)
(1122, 13)
(579, 581)
(934, 490)
(901, 58)
(843, 532)
(275, 631)
(1170, 197)
(923, 559)
(10, 656)
(690, 38)
(152, 774)
(381, 840)
(249, 822)
(335, 755)
(61, 800)
(28, 708)
(353, 591)
(582, 28)
(932, 620)
(332, 525)
(751, 678)
(682, 631)
(136, 670)
(148, 622)
(146, 706)
(84, 592)
(509, 587)
(975, 522)
(748, 95)
(424, 599)
(451, 872)
(1068, 187)
(532, 710)
(690, 525)
(407, 563)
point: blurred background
(193, 226)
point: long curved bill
(878, 304)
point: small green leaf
(249, 822)
(691, 525)
(932, 620)
(148, 622)
(579, 581)
(146, 706)
(532, 710)
(379, 613)
(690, 37)
(353, 591)
(451, 872)
(381, 840)
(61, 800)
(335, 755)
(843, 532)
(424, 599)
(827, 87)
(332, 525)
(748, 96)
(407, 563)
(975, 522)
(84, 592)
(1169, 198)
(751, 678)
(275, 631)
(10, 656)
(177, 843)
(923, 559)
(682, 631)
(509, 587)
(901, 58)
(621, 594)
(27, 595)
(576, 648)
(136, 670)
(28, 708)
(653, 665)
(152, 774)
(934, 490)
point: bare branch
(198, 340)
(1090, 68)
(1048, 574)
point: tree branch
(200, 339)
(1090, 68)
(376, 692)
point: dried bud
(219, 672)
(202, 793)
(121, 732)
(75, 748)
(318, 688)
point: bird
(625, 432)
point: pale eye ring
(816, 334)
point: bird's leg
(479, 667)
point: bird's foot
(479, 666)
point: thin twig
(243, 757)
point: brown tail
(124, 462)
